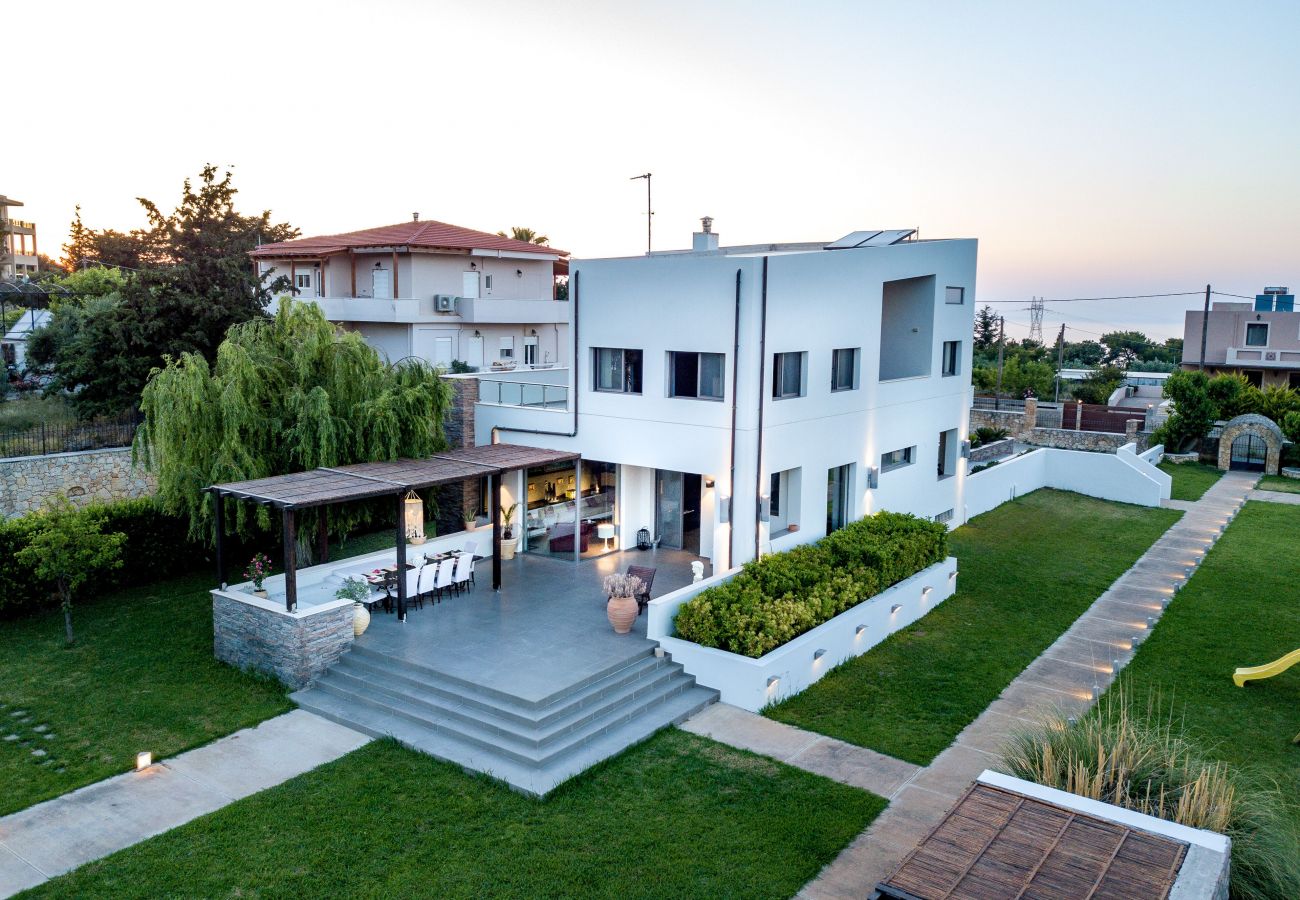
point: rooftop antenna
(649, 212)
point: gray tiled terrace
(544, 631)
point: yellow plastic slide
(1276, 667)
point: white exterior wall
(816, 302)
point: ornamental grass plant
(1141, 759)
(778, 597)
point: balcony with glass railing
(525, 394)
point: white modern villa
(435, 291)
(735, 401)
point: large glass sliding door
(551, 523)
(838, 499)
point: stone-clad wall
(1097, 441)
(296, 648)
(88, 476)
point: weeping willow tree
(285, 394)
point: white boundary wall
(1122, 476)
(743, 681)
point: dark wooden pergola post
(290, 558)
(219, 514)
(494, 509)
(401, 556)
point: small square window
(954, 295)
(787, 375)
(844, 369)
(951, 357)
(1257, 334)
(617, 370)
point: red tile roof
(427, 235)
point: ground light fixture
(818, 654)
(927, 591)
(773, 681)
(895, 608)
(857, 631)
(143, 760)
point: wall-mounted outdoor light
(818, 654)
(709, 483)
(857, 631)
(895, 608)
(873, 477)
(773, 680)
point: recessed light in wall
(895, 608)
(818, 654)
(773, 680)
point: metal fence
(998, 404)
(68, 437)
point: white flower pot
(508, 547)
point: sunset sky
(1094, 149)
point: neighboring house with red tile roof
(433, 290)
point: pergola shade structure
(329, 486)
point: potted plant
(358, 592)
(258, 568)
(413, 536)
(621, 609)
(469, 515)
(508, 540)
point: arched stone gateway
(1251, 442)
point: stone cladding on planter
(297, 648)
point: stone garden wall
(88, 476)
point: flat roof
(362, 481)
(997, 843)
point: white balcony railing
(1263, 357)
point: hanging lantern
(414, 518)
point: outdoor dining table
(385, 577)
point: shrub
(779, 597)
(1143, 762)
(988, 434)
(155, 548)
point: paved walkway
(1276, 497)
(54, 837)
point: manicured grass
(1191, 479)
(678, 816)
(141, 676)
(1028, 569)
(1278, 483)
(1241, 608)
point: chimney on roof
(415, 217)
(704, 240)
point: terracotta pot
(621, 612)
(360, 619)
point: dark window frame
(623, 363)
(909, 457)
(955, 369)
(780, 365)
(961, 295)
(856, 354)
(673, 390)
(1257, 326)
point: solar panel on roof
(885, 238)
(853, 239)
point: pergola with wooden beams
(332, 485)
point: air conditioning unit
(444, 302)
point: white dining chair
(461, 574)
(428, 572)
(443, 581)
(413, 597)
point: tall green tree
(68, 549)
(1123, 347)
(1098, 385)
(285, 394)
(191, 280)
(986, 328)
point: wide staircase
(533, 746)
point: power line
(1091, 299)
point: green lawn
(1191, 479)
(1278, 483)
(1241, 608)
(1028, 569)
(140, 677)
(678, 816)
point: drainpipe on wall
(735, 390)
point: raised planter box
(755, 683)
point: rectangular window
(951, 357)
(839, 497)
(776, 494)
(1255, 377)
(948, 453)
(617, 370)
(530, 351)
(896, 459)
(304, 280)
(1257, 334)
(1293, 381)
(844, 369)
(508, 348)
(954, 295)
(487, 282)
(787, 375)
(695, 375)
(783, 502)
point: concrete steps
(532, 745)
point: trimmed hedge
(155, 548)
(777, 598)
